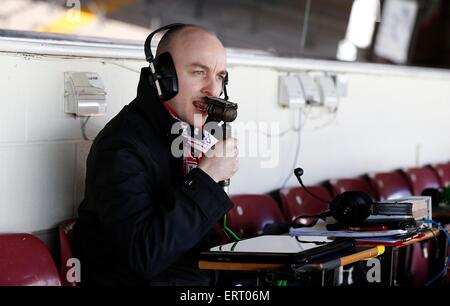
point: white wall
(392, 117)
(387, 121)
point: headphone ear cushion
(166, 75)
(351, 207)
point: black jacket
(141, 221)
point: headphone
(353, 207)
(163, 75)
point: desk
(325, 271)
(353, 267)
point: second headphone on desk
(353, 207)
(163, 75)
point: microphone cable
(297, 150)
(227, 229)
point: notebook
(278, 249)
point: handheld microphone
(222, 110)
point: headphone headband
(147, 46)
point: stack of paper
(319, 229)
(354, 234)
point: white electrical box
(84, 94)
(309, 88)
(328, 93)
(290, 92)
(341, 85)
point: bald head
(179, 38)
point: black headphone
(353, 207)
(163, 75)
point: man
(145, 217)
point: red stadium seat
(251, 213)
(352, 184)
(390, 185)
(443, 173)
(297, 202)
(26, 261)
(420, 179)
(65, 244)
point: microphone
(347, 207)
(298, 172)
(221, 110)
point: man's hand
(221, 161)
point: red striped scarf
(196, 145)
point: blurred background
(403, 32)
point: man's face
(200, 62)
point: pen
(369, 253)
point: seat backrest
(443, 173)
(339, 186)
(420, 179)
(390, 185)
(26, 261)
(251, 213)
(65, 231)
(295, 201)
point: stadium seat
(443, 173)
(26, 261)
(420, 179)
(390, 185)
(351, 184)
(251, 213)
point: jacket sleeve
(150, 235)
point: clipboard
(278, 249)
